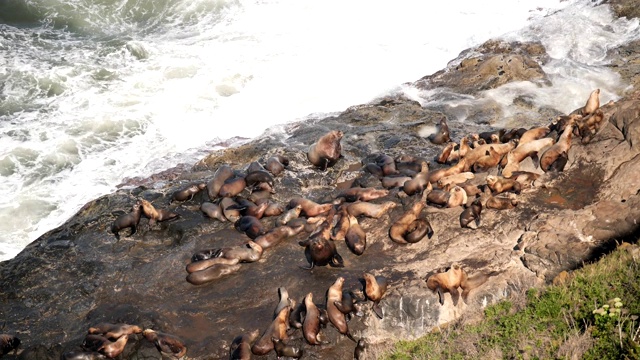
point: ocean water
(93, 91)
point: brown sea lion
(480, 151)
(114, 331)
(320, 250)
(166, 343)
(221, 175)
(455, 179)
(373, 169)
(453, 279)
(277, 235)
(492, 137)
(369, 209)
(326, 151)
(277, 329)
(249, 208)
(247, 252)
(273, 208)
(240, 348)
(261, 176)
(419, 182)
(211, 273)
(355, 237)
(258, 195)
(254, 166)
(213, 211)
(490, 160)
(389, 182)
(438, 197)
(296, 315)
(593, 103)
(291, 214)
(436, 175)
(362, 194)
(502, 202)
(156, 214)
(226, 205)
(251, 226)
(350, 305)
(130, 220)
(276, 164)
(113, 349)
(375, 287)
(188, 192)
(287, 351)
(534, 134)
(589, 126)
(445, 153)
(530, 148)
(283, 295)
(232, 187)
(401, 231)
(525, 178)
(359, 351)
(561, 146)
(499, 184)
(93, 342)
(387, 164)
(9, 343)
(470, 217)
(342, 225)
(309, 207)
(336, 317)
(409, 164)
(311, 323)
(461, 152)
(207, 263)
(441, 135)
(457, 197)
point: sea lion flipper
(455, 296)
(340, 307)
(440, 295)
(133, 231)
(307, 268)
(536, 160)
(337, 261)
(377, 309)
(429, 231)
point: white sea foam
(102, 91)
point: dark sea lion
(295, 316)
(491, 136)
(375, 287)
(417, 230)
(336, 317)
(387, 164)
(359, 351)
(438, 197)
(355, 237)
(320, 250)
(277, 329)
(251, 226)
(114, 331)
(277, 235)
(206, 254)
(254, 166)
(390, 182)
(255, 177)
(207, 263)
(309, 207)
(369, 209)
(130, 220)
(512, 134)
(156, 215)
(249, 208)
(240, 348)
(166, 343)
(445, 153)
(9, 343)
(373, 169)
(248, 252)
(341, 225)
(211, 273)
(453, 279)
(221, 175)
(441, 135)
(470, 217)
(232, 187)
(408, 163)
(213, 211)
(188, 192)
(226, 205)
(419, 182)
(326, 151)
(499, 184)
(283, 350)
(276, 164)
(502, 202)
(289, 215)
(311, 323)
(362, 194)
(405, 226)
(82, 355)
(349, 305)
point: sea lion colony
(457, 185)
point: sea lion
(349, 304)
(291, 214)
(326, 151)
(258, 195)
(409, 164)
(248, 252)
(188, 192)
(419, 182)
(283, 295)
(359, 351)
(311, 323)
(261, 176)
(436, 175)
(355, 237)
(276, 164)
(154, 214)
(453, 279)
(232, 187)
(534, 134)
(445, 153)
(375, 287)
(470, 217)
(342, 225)
(369, 209)
(93, 342)
(211, 273)
(309, 207)
(512, 134)
(362, 194)
(499, 184)
(240, 348)
(589, 126)
(525, 178)
(320, 250)
(130, 220)
(502, 202)
(277, 329)
(387, 164)
(336, 317)
(114, 331)
(492, 137)
(251, 226)
(82, 355)
(277, 235)
(457, 197)
(284, 350)
(213, 211)
(113, 349)
(530, 148)
(389, 182)
(480, 151)
(273, 208)
(9, 343)
(461, 152)
(254, 166)
(221, 175)
(490, 160)
(227, 204)
(455, 179)
(441, 135)
(373, 169)
(406, 223)
(438, 197)
(166, 343)
(207, 263)
(593, 103)
(295, 316)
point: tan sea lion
(533, 134)
(9, 343)
(188, 192)
(207, 263)
(240, 348)
(311, 323)
(369, 209)
(82, 355)
(291, 214)
(445, 153)
(453, 279)
(502, 202)
(531, 148)
(156, 214)
(525, 178)
(470, 217)
(114, 331)
(593, 103)
(226, 205)
(588, 127)
(326, 151)
(561, 146)
(273, 208)
(461, 152)
(336, 317)
(309, 207)
(211, 273)
(213, 211)
(355, 237)
(277, 235)
(113, 349)
(489, 160)
(247, 252)
(276, 164)
(389, 182)
(375, 287)
(457, 197)
(402, 231)
(130, 220)
(436, 175)
(441, 135)
(251, 226)
(221, 175)
(480, 151)
(232, 187)
(499, 184)
(455, 179)
(166, 343)
(277, 329)
(419, 182)
(362, 194)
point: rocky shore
(79, 274)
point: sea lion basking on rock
(327, 150)
(453, 279)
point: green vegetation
(593, 315)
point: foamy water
(92, 93)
